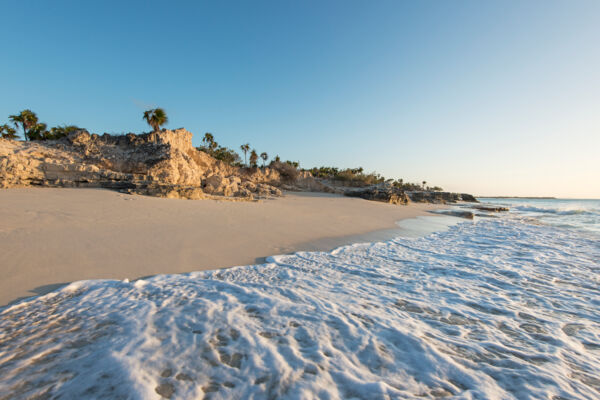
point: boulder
(214, 182)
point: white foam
(495, 309)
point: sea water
(506, 306)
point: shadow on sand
(38, 291)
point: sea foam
(491, 309)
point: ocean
(506, 306)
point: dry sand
(49, 237)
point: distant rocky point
(165, 164)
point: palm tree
(245, 148)
(6, 132)
(209, 142)
(253, 158)
(38, 132)
(156, 117)
(424, 183)
(58, 132)
(27, 119)
(208, 139)
(264, 157)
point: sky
(484, 97)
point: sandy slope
(53, 236)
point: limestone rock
(379, 193)
(390, 194)
(163, 164)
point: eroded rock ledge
(163, 164)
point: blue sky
(488, 97)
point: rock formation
(386, 194)
(163, 164)
(390, 194)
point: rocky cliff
(163, 164)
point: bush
(287, 171)
(221, 153)
(351, 176)
(226, 155)
(61, 131)
(7, 132)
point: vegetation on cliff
(33, 129)
(6, 132)
(289, 171)
(221, 153)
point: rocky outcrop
(491, 208)
(468, 197)
(306, 182)
(386, 194)
(163, 164)
(440, 197)
(456, 213)
(390, 194)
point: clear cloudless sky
(488, 97)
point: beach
(452, 313)
(50, 237)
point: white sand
(49, 237)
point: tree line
(28, 122)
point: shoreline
(52, 237)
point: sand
(50, 237)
